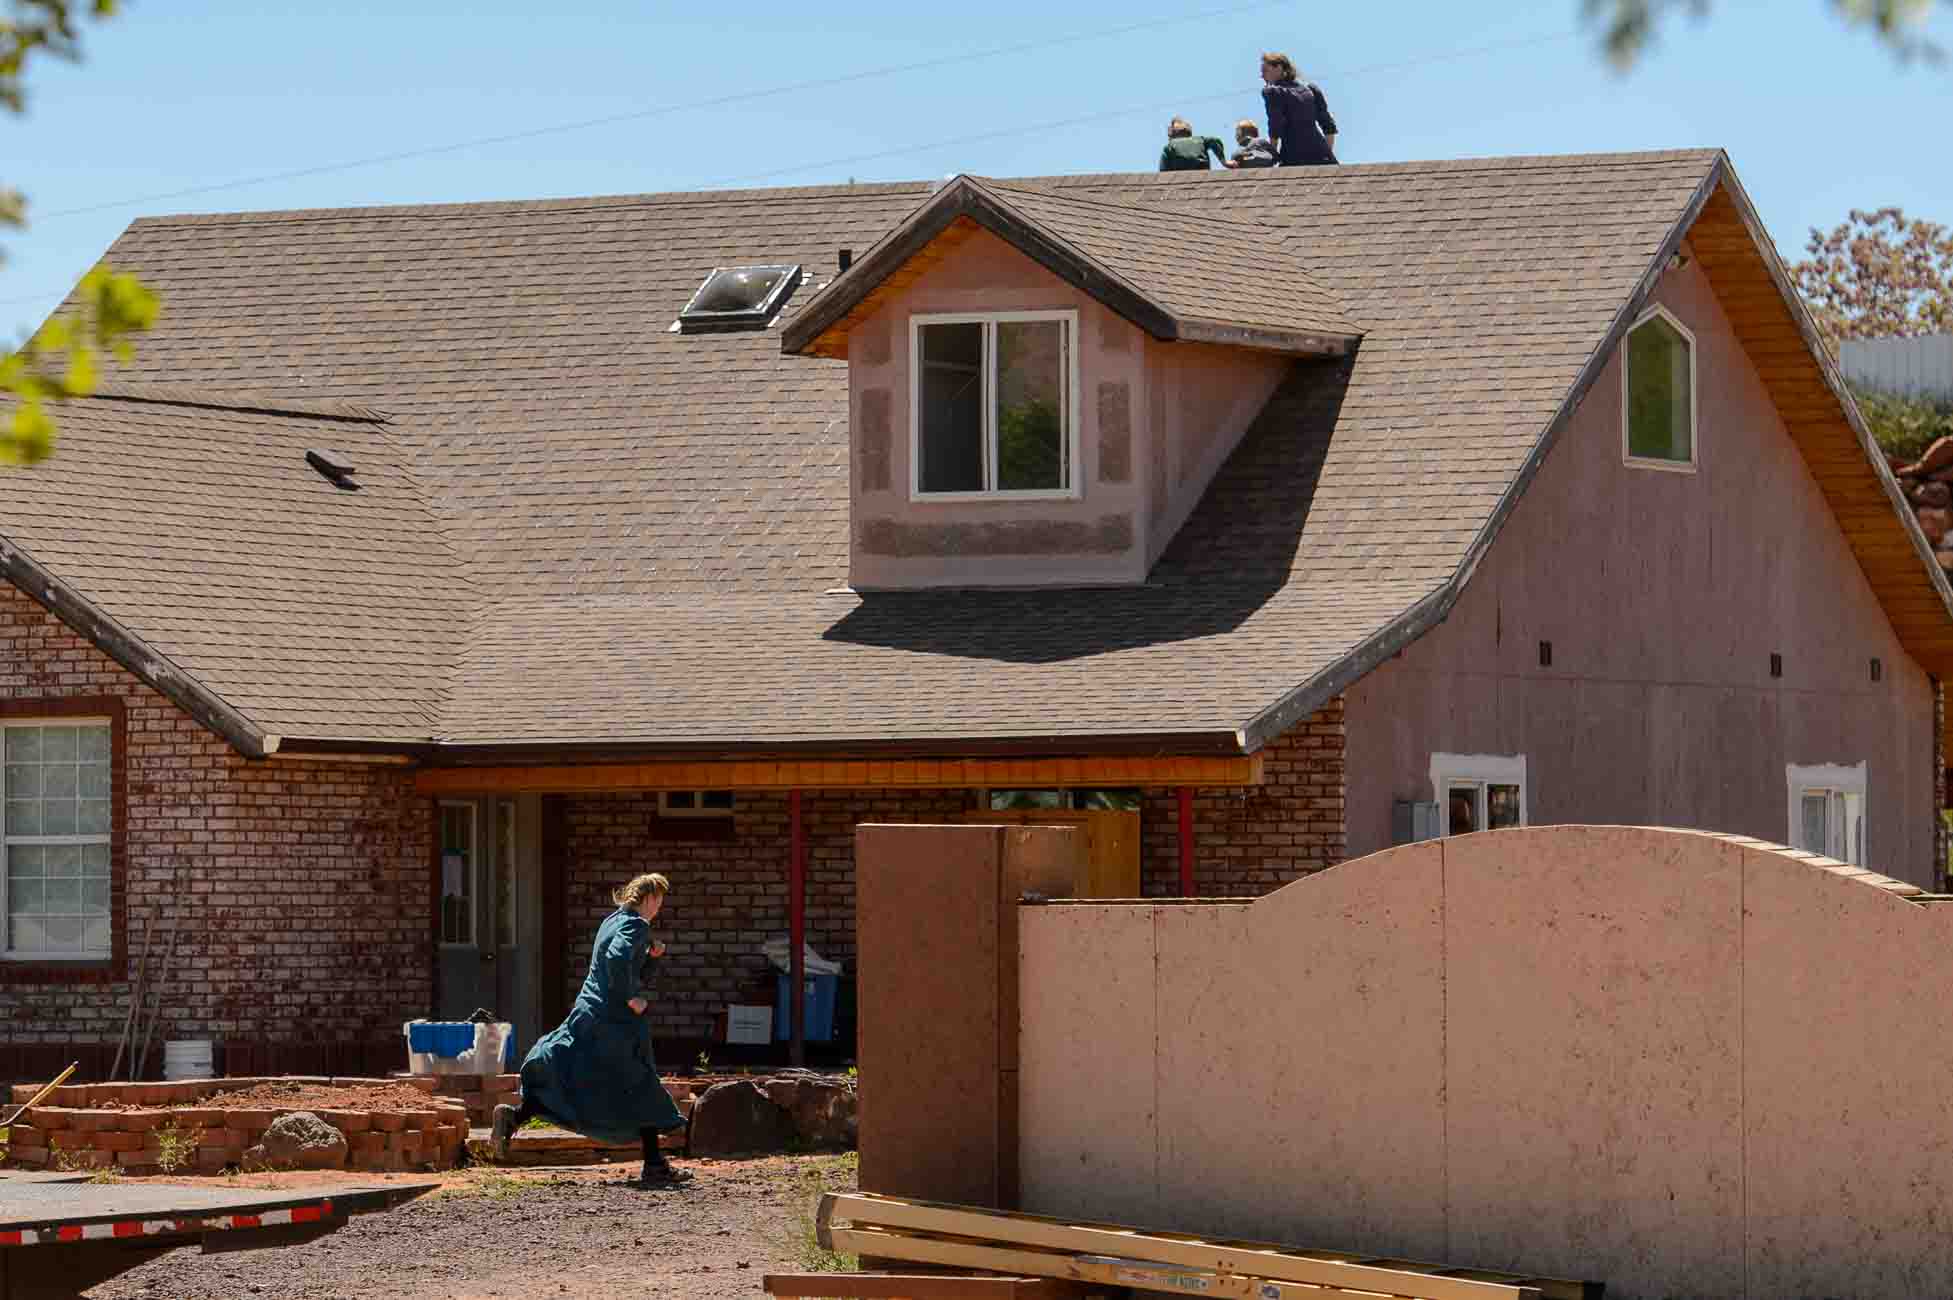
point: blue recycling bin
(440, 1037)
(819, 1027)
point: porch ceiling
(843, 774)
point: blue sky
(177, 96)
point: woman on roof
(594, 1073)
(1298, 115)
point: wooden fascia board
(119, 643)
(1433, 609)
(1300, 343)
(1820, 357)
(964, 197)
(843, 774)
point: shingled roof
(1179, 276)
(614, 535)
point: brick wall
(1248, 842)
(302, 888)
(730, 894)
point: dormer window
(993, 401)
(739, 297)
(1658, 393)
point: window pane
(715, 799)
(63, 934)
(26, 860)
(23, 744)
(95, 935)
(94, 783)
(1501, 806)
(95, 895)
(681, 800)
(63, 896)
(1854, 822)
(1017, 800)
(24, 817)
(59, 780)
(94, 859)
(27, 933)
(60, 745)
(1106, 800)
(949, 404)
(1032, 405)
(63, 859)
(23, 781)
(95, 744)
(59, 817)
(1816, 806)
(25, 897)
(1463, 798)
(1658, 393)
(92, 817)
(457, 873)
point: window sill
(1666, 466)
(89, 970)
(924, 498)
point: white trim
(989, 320)
(473, 809)
(1481, 770)
(1628, 458)
(8, 954)
(696, 810)
(1801, 779)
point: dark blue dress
(594, 1073)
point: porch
(524, 858)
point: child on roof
(1187, 152)
(1254, 150)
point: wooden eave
(958, 212)
(1811, 398)
(843, 774)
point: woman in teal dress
(594, 1073)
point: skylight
(739, 297)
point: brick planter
(74, 1129)
(482, 1093)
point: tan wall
(1155, 423)
(1664, 596)
(1678, 1063)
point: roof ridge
(234, 399)
(1024, 186)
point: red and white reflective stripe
(126, 1228)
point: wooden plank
(842, 775)
(1245, 1259)
(1106, 1270)
(921, 1286)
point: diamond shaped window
(739, 297)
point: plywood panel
(1592, 1083)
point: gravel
(574, 1234)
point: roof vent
(739, 298)
(337, 469)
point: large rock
(300, 1140)
(737, 1118)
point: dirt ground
(571, 1234)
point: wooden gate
(1111, 866)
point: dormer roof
(1180, 276)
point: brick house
(432, 568)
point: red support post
(797, 930)
(1186, 842)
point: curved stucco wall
(1682, 1064)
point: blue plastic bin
(441, 1037)
(819, 1027)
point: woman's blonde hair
(1178, 127)
(1282, 64)
(631, 894)
(1245, 129)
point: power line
(638, 115)
(1159, 106)
(903, 150)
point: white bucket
(192, 1058)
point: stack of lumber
(1028, 1255)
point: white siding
(1922, 365)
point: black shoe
(660, 1173)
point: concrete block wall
(302, 887)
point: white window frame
(1480, 770)
(1693, 463)
(8, 953)
(666, 810)
(474, 870)
(1073, 491)
(1830, 779)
